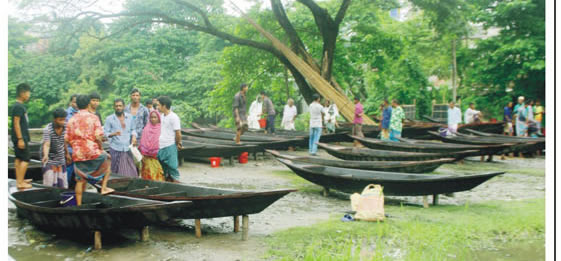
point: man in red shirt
(84, 134)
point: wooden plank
(97, 240)
(245, 227)
(236, 223)
(435, 199)
(142, 189)
(425, 202)
(169, 193)
(198, 232)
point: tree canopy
(198, 53)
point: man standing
(316, 119)
(155, 103)
(538, 115)
(472, 115)
(357, 122)
(170, 140)
(454, 117)
(289, 115)
(386, 116)
(507, 118)
(20, 134)
(148, 103)
(54, 153)
(396, 121)
(239, 108)
(515, 114)
(119, 128)
(269, 110)
(94, 103)
(72, 108)
(138, 111)
(330, 116)
(84, 134)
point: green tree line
(376, 57)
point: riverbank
(506, 212)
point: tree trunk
(454, 70)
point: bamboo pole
(345, 105)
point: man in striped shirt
(54, 153)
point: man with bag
(119, 128)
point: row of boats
(402, 168)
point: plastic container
(215, 162)
(262, 123)
(68, 199)
(243, 157)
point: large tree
(210, 17)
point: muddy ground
(524, 179)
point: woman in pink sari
(149, 144)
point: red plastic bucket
(262, 123)
(243, 157)
(215, 162)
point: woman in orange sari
(149, 144)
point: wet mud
(177, 241)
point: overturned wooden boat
(505, 137)
(431, 147)
(213, 150)
(353, 153)
(42, 206)
(392, 166)
(207, 202)
(396, 184)
(265, 142)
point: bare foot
(107, 191)
(28, 180)
(24, 186)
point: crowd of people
(323, 118)
(72, 151)
(522, 120)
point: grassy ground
(488, 230)
(413, 233)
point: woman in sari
(149, 144)
(255, 113)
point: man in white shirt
(330, 113)
(316, 119)
(289, 115)
(454, 117)
(472, 115)
(170, 139)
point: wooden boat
(97, 212)
(392, 166)
(396, 184)
(213, 150)
(429, 146)
(264, 141)
(491, 127)
(506, 137)
(228, 136)
(513, 146)
(207, 202)
(362, 154)
(34, 169)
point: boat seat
(47, 203)
(142, 189)
(170, 193)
